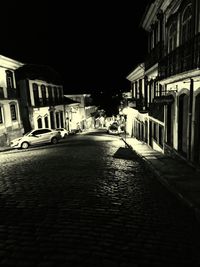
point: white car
(115, 128)
(36, 137)
(63, 132)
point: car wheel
(25, 145)
(54, 140)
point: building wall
(41, 112)
(10, 123)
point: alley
(76, 203)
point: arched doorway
(197, 130)
(46, 122)
(39, 122)
(183, 124)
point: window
(172, 37)
(50, 94)
(36, 94)
(43, 91)
(186, 24)
(46, 122)
(1, 114)
(44, 131)
(9, 79)
(160, 90)
(13, 112)
(57, 120)
(41, 131)
(39, 122)
(1, 92)
(61, 119)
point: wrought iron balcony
(154, 56)
(184, 58)
(46, 102)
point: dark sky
(93, 44)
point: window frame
(9, 79)
(15, 117)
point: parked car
(115, 128)
(63, 132)
(36, 137)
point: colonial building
(138, 101)
(172, 70)
(41, 97)
(10, 121)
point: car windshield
(27, 133)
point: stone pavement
(180, 178)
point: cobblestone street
(74, 204)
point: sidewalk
(181, 179)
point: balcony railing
(45, 102)
(183, 58)
(154, 56)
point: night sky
(94, 45)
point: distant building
(41, 97)
(72, 114)
(86, 110)
(10, 121)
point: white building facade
(10, 120)
(173, 28)
(41, 104)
